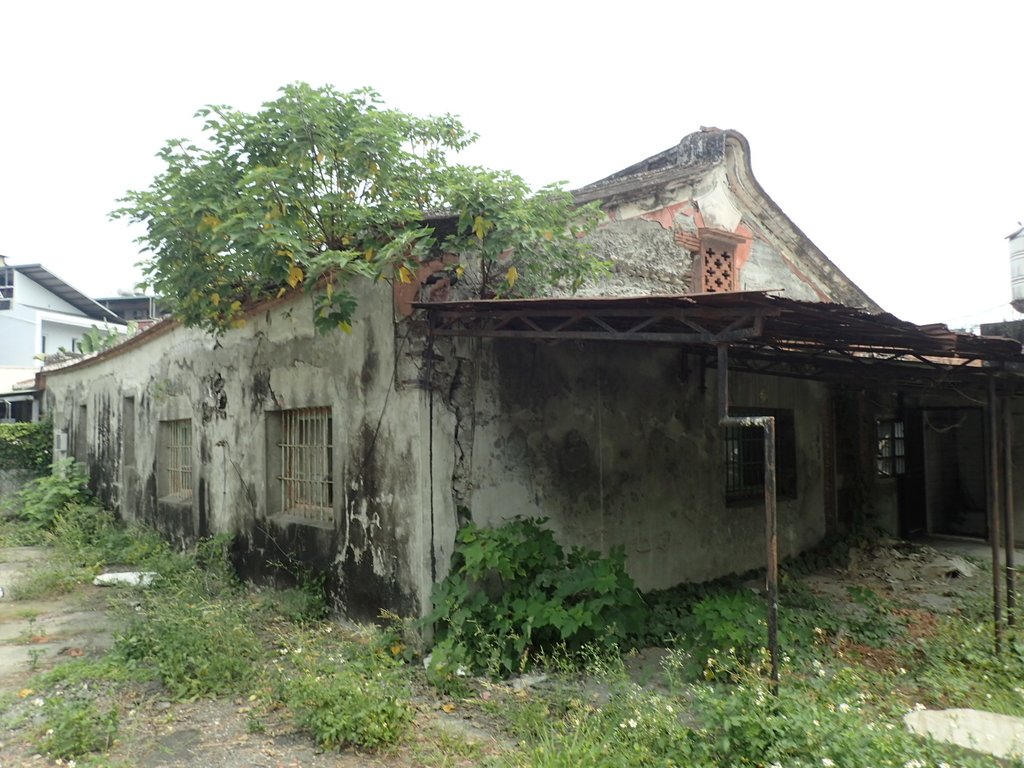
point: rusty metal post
(767, 423)
(994, 515)
(1008, 512)
(771, 534)
(723, 382)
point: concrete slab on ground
(998, 735)
(36, 634)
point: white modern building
(39, 315)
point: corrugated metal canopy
(819, 338)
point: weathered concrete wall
(618, 445)
(227, 387)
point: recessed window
(301, 464)
(175, 461)
(891, 454)
(744, 457)
(6, 286)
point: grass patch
(344, 693)
(49, 580)
(857, 662)
(73, 727)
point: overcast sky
(890, 132)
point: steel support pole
(994, 513)
(766, 423)
(1008, 512)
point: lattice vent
(717, 272)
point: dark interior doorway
(954, 478)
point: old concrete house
(361, 454)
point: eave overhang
(765, 333)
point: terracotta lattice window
(714, 265)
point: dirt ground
(35, 635)
(153, 732)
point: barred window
(305, 457)
(176, 455)
(744, 457)
(891, 453)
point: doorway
(955, 478)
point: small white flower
(915, 763)
(38, 702)
(844, 707)
(826, 761)
(632, 723)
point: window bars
(178, 448)
(890, 457)
(744, 456)
(307, 488)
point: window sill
(175, 501)
(757, 501)
(283, 519)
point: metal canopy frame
(762, 333)
(766, 333)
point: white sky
(890, 132)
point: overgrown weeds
(41, 500)
(200, 632)
(73, 726)
(343, 693)
(514, 593)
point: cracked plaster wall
(618, 445)
(373, 554)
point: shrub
(26, 446)
(513, 593)
(42, 500)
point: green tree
(319, 187)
